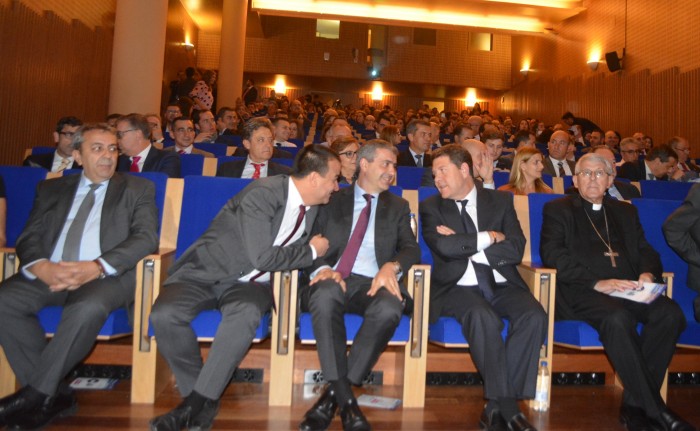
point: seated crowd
(355, 244)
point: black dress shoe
(669, 421)
(205, 418)
(519, 423)
(352, 417)
(20, 402)
(59, 406)
(175, 420)
(493, 421)
(319, 417)
(634, 418)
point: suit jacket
(393, 237)
(495, 211)
(45, 161)
(628, 191)
(549, 167)
(682, 232)
(194, 151)
(235, 168)
(636, 172)
(157, 160)
(565, 246)
(240, 238)
(128, 225)
(405, 158)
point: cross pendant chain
(612, 255)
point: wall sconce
(593, 64)
(189, 46)
(524, 72)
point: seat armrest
(284, 286)
(416, 350)
(9, 263)
(151, 272)
(668, 279)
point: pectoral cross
(612, 255)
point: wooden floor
(244, 407)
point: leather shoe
(669, 421)
(520, 423)
(634, 418)
(493, 421)
(352, 417)
(205, 418)
(59, 406)
(319, 417)
(175, 420)
(18, 403)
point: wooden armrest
(668, 279)
(419, 288)
(284, 287)
(9, 263)
(151, 272)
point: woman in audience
(201, 94)
(526, 173)
(347, 148)
(391, 134)
(296, 128)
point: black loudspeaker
(613, 61)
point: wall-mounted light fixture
(593, 64)
(524, 72)
(189, 46)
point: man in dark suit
(62, 158)
(79, 249)
(419, 141)
(619, 190)
(556, 164)
(597, 246)
(257, 139)
(475, 280)
(359, 274)
(183, 131)
(682, 232)
(265, 228)
(138, 155)
(657, 166)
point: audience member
(556, 163)
(257, 139)
(347, 147)
(137, 153)
(419, 141)
(227, 121)
(62, 158)
(619, 190)
(206, 126)
(183, 129)
(526, 173)
(658, 165)
(280, 128)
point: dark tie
(71, 248)
(257, 167)
(419, 160)
(484, 274)
(300, 218)
(561, 169)
(135, 164)
(652, 177)
(181, 152)
(347, 260)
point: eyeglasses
(559, 142)
(349, 154)
(121, 134)
(67, 134)
(587, 173)
(630, 151)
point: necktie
(684, 167)
(484, 274)
(135, 164)
(652, 177)
(347, 260)
(257, 167)
(278, 144)
(419, 160)
(561, 169)
(300, 218)
(71, 248)
(614, 193)
(64, 165)
(181, 151)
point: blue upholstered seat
(191, 164)
(219, 150)
(666, 190)
(409, 177)
(20, 189)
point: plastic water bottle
(542, 392)
(414, 225)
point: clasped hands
(611, 285)
(65, 275)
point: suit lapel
(114, 191)
(453, 219)
(381, 222)
(151, 158)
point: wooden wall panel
(51, 68)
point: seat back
(666, 190)
(219, 150)
(536, 203)
(409, 177)
(202, 199)
(500, 178)
(191, 164)
(20, 190)
(426, 257)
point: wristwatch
(102, 269)
(397, 267)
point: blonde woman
(526, 173)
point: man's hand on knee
(386, 278)
(327, 274)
